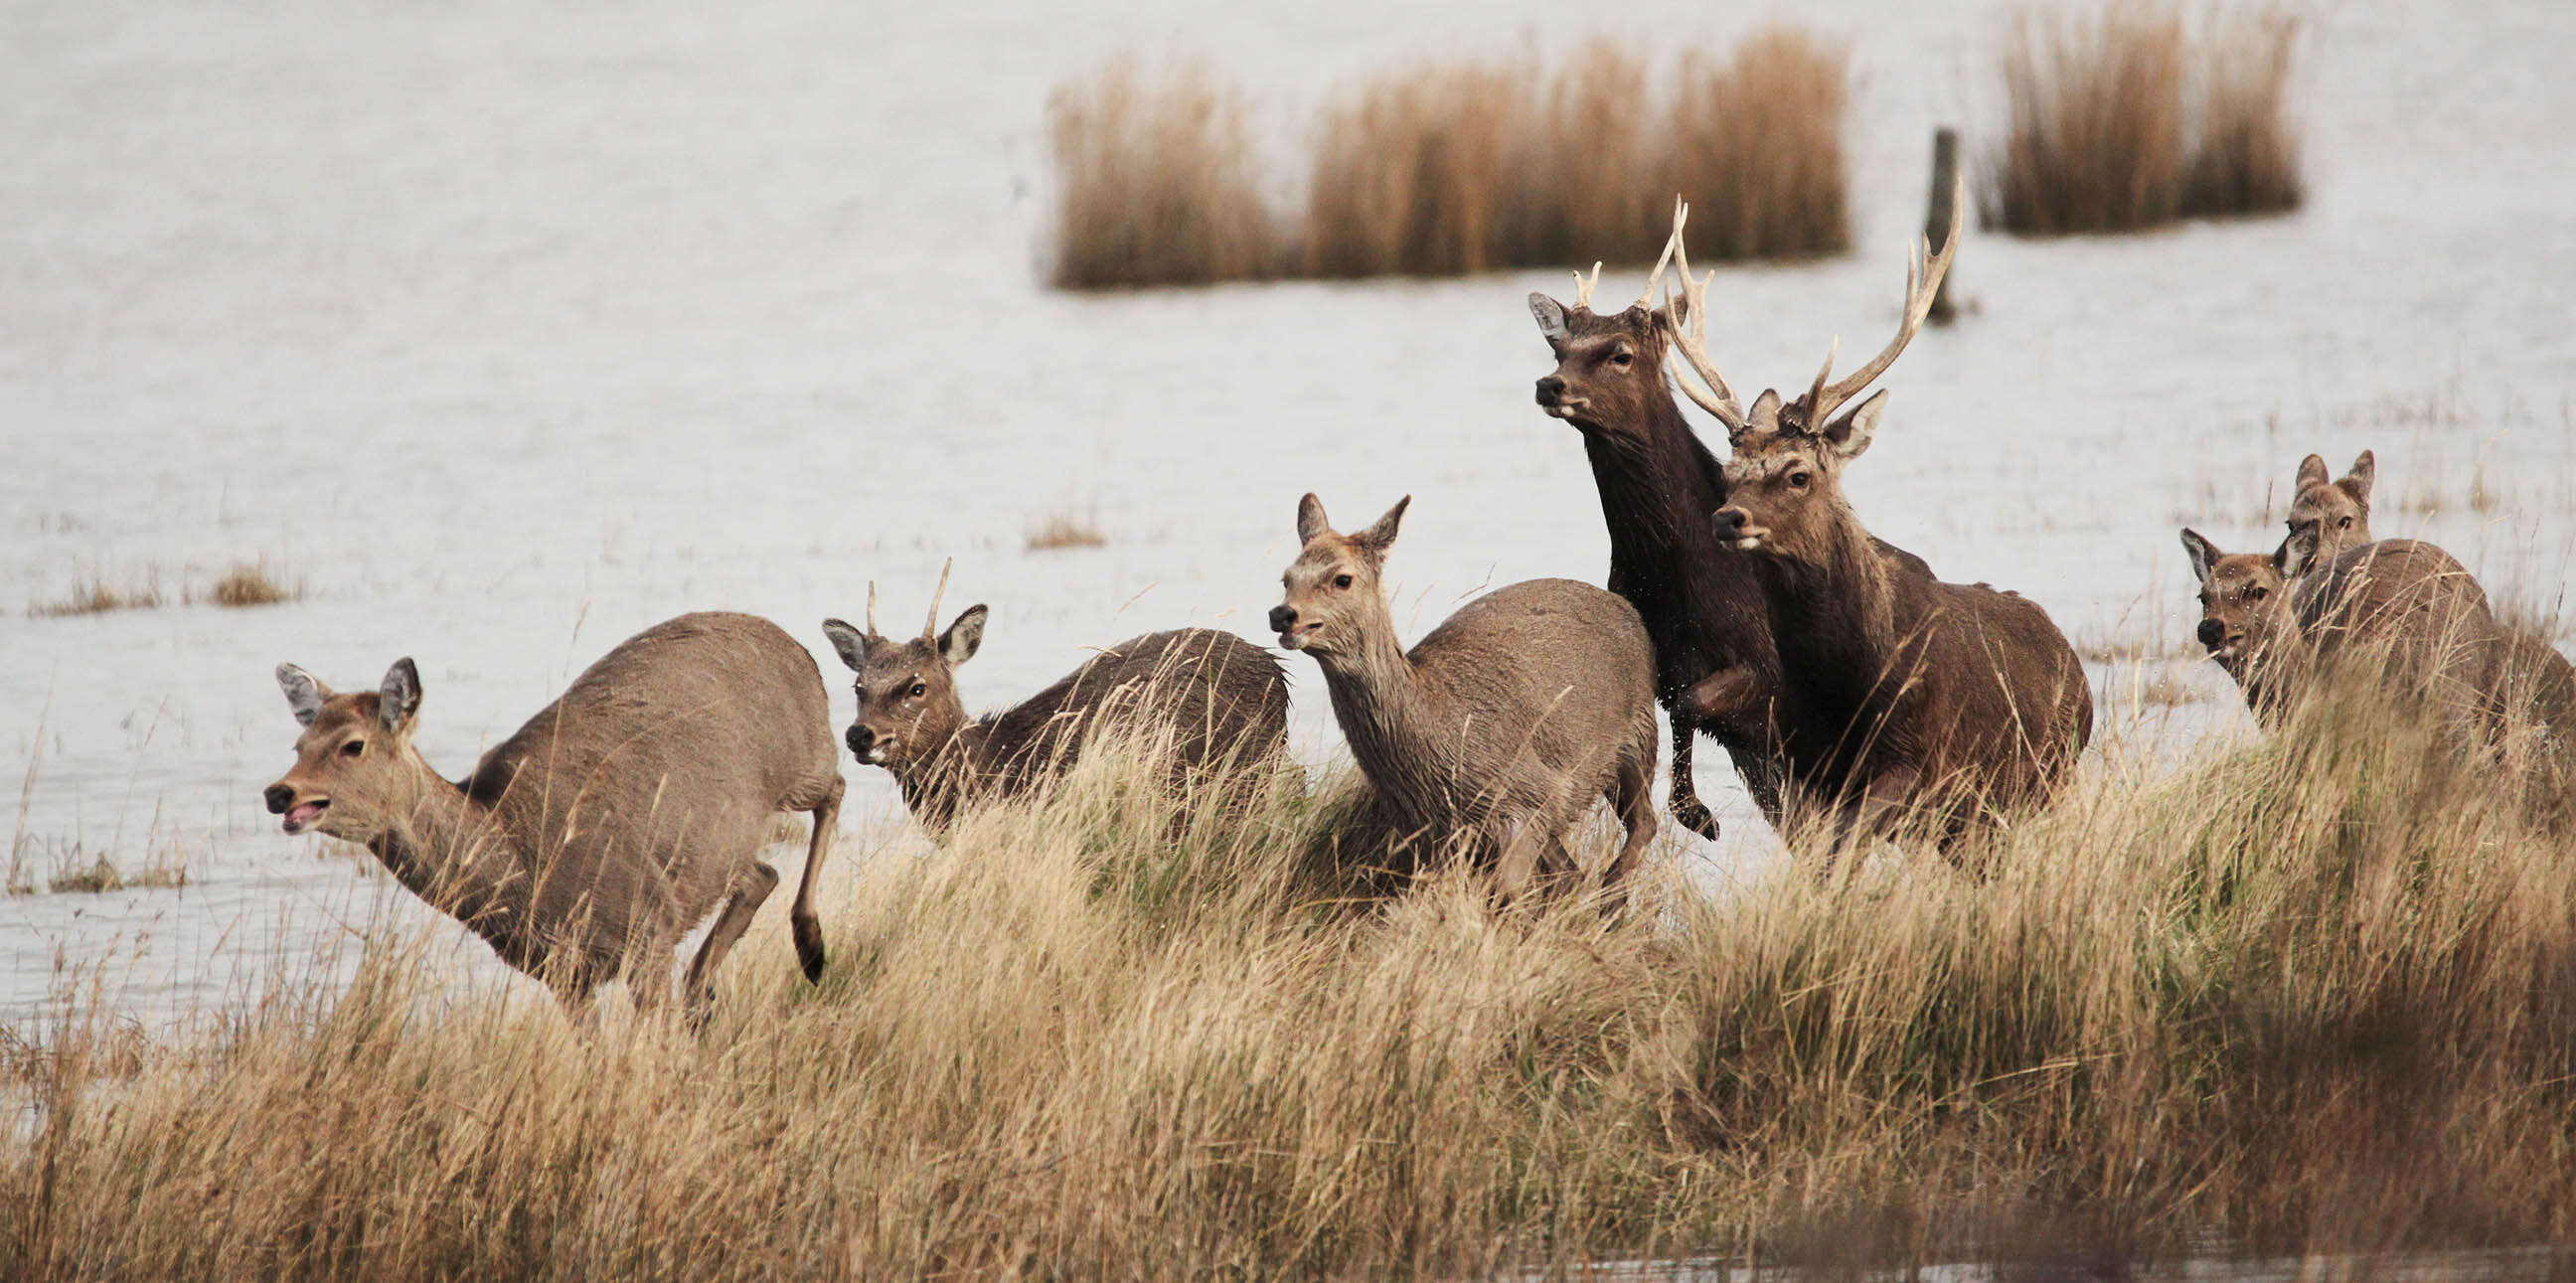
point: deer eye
(1341, 581)
(353, 748)
(1621, 359)
(918, 689)
(2258, 592)
(2343, 523)
(1797, 481)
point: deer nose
(2212, 633)
(1282, 618)
(861, 739)
(279, 797)
(1728, 522)
(1549, 389)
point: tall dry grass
(2129, 118)
(1157, 182)
(2318, 993)
(1466, 166)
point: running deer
(1705, 612)
(583, 847)
(1214, 701)
(1499, 728)
(1957, 702)
(2397, 612)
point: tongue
(302, 816)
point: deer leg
(1880, 807)
(1688, 810)
(808, 928)
(1632, 794)
(1517, 864)
(750, 891)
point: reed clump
(1157, 182)
(2314, 994)
(249, 583)
(2130, 118)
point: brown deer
(1705, 612)
(2340, 509)
(583, 847)
(1220, 702)
(1957, 702)
(2397, 612)
(1496, 731)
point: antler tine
(1681, 214)
(1816, 390)
(930, 626)
(872, 608)
(1922, 286)
(1691, 339)
(1583, 288)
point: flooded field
(505, 332)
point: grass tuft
(1064, 530)
(2127, 120)
(95, 596)
(248, 583)
(1157, 184)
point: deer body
(585, 845)
(1500, 727)
(1211, 698)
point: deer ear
(1310, 519)
(304, 695)
(1381, 532)
(2312, 472)
(849, 642)
(1849, 436)
(2298, 552)
(399, 696)
(2357, 482)
(964, 637)
(2202, 552)
(1763, 420)
(1550, 314)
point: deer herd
(1862, 699)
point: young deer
(2340, 509)
(1499, 728)
(2396, 612)
(1956, 701)
(1705, 612)
(1221, 701)
(583, 847)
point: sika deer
(1499, 728)
(2340, 509)
(1956, 701)
(1705, 612)
(583, 847)
(1221, 702)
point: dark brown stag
(1956, 702)
(1209, 699)
(1705, 612)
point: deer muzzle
(1735, 529)
(284, 799)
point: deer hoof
(1693, 815)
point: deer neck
(1388, 713)
(937, 785)
(1654, 482)
(458, 855)
(1838, 601)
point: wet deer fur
(584, 846)
(1499, 728)
(1209, 698)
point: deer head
(2339, 509)
(1609, 367)
(907, 690)
(1333, 598)
(1784, 471)
(356, 774)
(2244, 596)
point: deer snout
(300, 815)
(279, 797)
(1552, 397)
(2212, 633)
(1735, 529)
(861, 740)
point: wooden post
(1936, 222)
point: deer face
(2244, 597)
(2339, 509)
(1609, 369)
(355, 773)
(1333, 600)
(1784, 492)
(907, 691)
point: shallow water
(511, 330)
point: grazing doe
(1220, 702)
(1705, 612)
(583, 847)
(1956, 701)
(1496, 730)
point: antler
(872, 609)
(930, 626)
(1922, 286)
(1583, 288)
(1691, 342)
